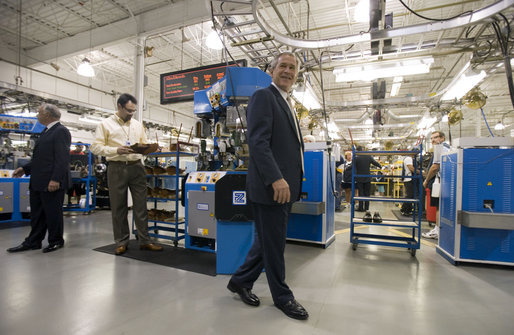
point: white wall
(69, 89)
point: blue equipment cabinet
(312, 218)
(476, 208)
(14, 198)
(217, 218)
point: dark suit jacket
(50, 159)
(275, 149)
(362, 166)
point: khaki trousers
(120, 178)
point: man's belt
(125, 162)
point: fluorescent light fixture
(426, 122)
(384, 69)
(368, 122)
(213, 41)
(499, 126)
(85, 69)
(395, 88)
(332, 127)
(361, 12)
(463, 83)
(445, 118)
(305, 95)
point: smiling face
(436, 138)
(126, 112)
(285, 72)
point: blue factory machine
(218, 218)
(476, 203)
(312, 218)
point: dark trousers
(267, 252)
(45, 214)
(411, 192)
(364, 191)
(339, 190)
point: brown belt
(125, 162)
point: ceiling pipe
(401, 117)
(461, 21)
(360, 119)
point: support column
(478, 122)
(140, 76)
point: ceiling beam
(159, 20)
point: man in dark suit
(273, 183)
(49, 179)
(363, 184)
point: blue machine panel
(201, 105)
(237, 82)
(489, 174)
(471, 179)
(317, 186)
(448, 202)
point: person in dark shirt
(363, 184)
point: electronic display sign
(181, 85)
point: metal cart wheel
(413, 252)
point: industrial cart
(412, 241)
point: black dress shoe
(377, 218)
(245, 293)
(367, 217)
(294, 310)
(52, 247)
(23, 247)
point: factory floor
(372, 290)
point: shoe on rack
(434, 233)
(377, 218)
(367, 217)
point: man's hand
(18, 172)
(425, 184)
(124, 150)
(281, 193)
(53, 186)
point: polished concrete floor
(372, 290)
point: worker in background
(347, 178)
(309, 139)
(76, 189)
(78, 149)
(125, 170)
(363, 184)
(273, 183)
(49, 171)
(339, 184)
(409, 184)
(440, 147)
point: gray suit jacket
(275, 148)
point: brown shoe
(151, 247)
(120, 250)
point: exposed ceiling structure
(55, 35)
